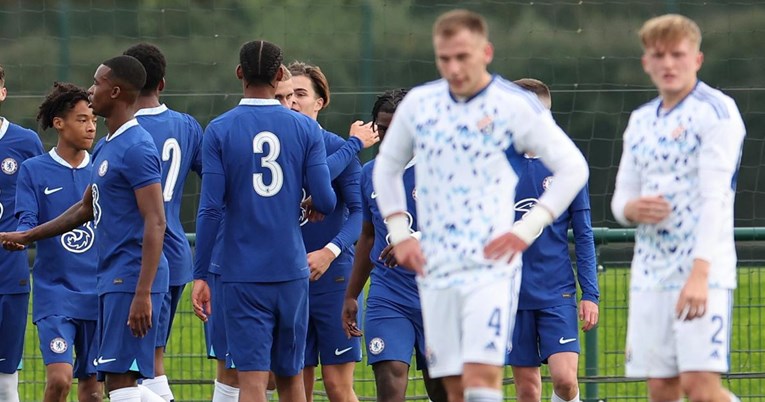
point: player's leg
(226, 377)
(650, 350)
(309, 379)
(433, 386)
(390, 337)
(288, 349)
(488, 319)
(57, 341)
(13, 323)
(524, 357)
(311, 352)
(338, 354)
(86, 348)
(558, 330)
(159, 384)
(703, 346)
(441, 318)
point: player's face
(461, 59)
(100, 92)
(306, 100)
(382, 123)
(673, 67)
(285, 93)
(78, 127)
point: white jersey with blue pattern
(466, 152)
(689, 155)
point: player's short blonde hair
(454, 21)
(669, 29)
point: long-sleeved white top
(690, 155)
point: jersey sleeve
(211, 202)
(365, 186)
(538, 133)
(316, 178)
(196, 141)
(627, 178)
(27, 207)
(584, 248)
(344, 154)
(351, 192)
(143, 166)
(396, 150)
(719, 160)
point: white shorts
(469, 324)
(661, 346)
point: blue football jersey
(65, 266)
(341, 228)
(395, 284)
(257, 158)
(17, 144)
(548, 276)
(178, 138)
(123, 162)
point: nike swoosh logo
(338, 352)
(2, 360)
(101, 360)
(374, 195)
(564, 341)
(49, 191)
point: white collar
(258, 102)
(56, 157)
(151, 111)
(4, 123)
(122, 129)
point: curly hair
(387, 102)
(60, 101)
(260, 61)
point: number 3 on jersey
(269, 162)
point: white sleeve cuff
(334, 249)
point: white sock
(9, 387)
(733, 397)
(129, 394)
(483, 395)
(225, 393)
(148, 395)
(270, 394)
(556, 398)
(160, 386)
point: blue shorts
(61, 337)
(167, 314)
(13, 323)
(326, 340)
(542, 333)
(392, 331)
(266, 325)
(215, 327)
(120, 351)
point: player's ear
(319, 104)
(699, 60)
(161, 85)
(3, 93)
(116, 91)
(58, 123)
(239, 73)
(488, 52)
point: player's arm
(319, 260)
(317, 179)
(27, 207)
(586, 264)
(196, 134)
(719, 160)
(77, 215)
(344, 154)
(388, 177)
(362, 268)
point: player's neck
(70, 154)
(672, 99)
(258, 91)
(118, 118)
(147, 102)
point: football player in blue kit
(124, 201)
(393, 326)
(17, 144)
(546, 329)
(257, 158)
(178, 138)
(65, 303)
(330, 258)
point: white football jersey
(465, 177)
(689, 155)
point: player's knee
(391, 380)
(566, 386)
(59, 383)
(528, 391)
(337, 388)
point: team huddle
(460, 224)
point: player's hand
(318, 262)
(365, 133)
(388, 257)
(409, 254)
(13, 241)
(311, 214)
(139, 319)
(504, 247)
(350, 312)
(588, 313)
(649, 209)
(692, 302)
(201, 300)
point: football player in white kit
(676, 182)
(469, 131)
